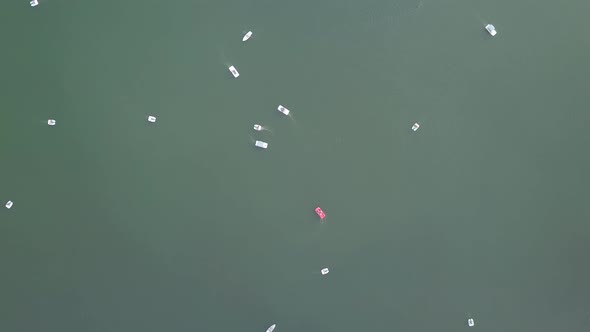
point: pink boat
(320, 213)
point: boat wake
(266, 128)
(291, 118)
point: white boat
(247, 36)
(283, 110)
(8, 204)
(51, 122)
(34, 3)
(491, 29)
(325, 271)
(151, 118)
(261, 144)
(415, 126)
(234, 71)
(257, 127)
(470, 322)
(271, 328)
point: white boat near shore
(234, 71)
(247, 36)
(491, 29)
(271, 328)
(283, 110)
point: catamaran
(491, 29)
(415, 126)
(247, 36)
(234, 71)
(283, 110)
(271, 328)
(151, 118)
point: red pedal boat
(320, 213)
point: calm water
(182, 225)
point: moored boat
(470, 322)
(491, 29)
(34, 3)
(51, 122)
(234, 71)
(9, 204)
(283, 110)
(271, 328)
(415, 126)
(247, 36)
(151, 118)
(320, 213)
(257, 127)
(325, 271)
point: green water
(182, 225)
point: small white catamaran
(234, 71)
(271, 328)
(247, 36)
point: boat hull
(320, 213)
(261, 144)
(283, 110)
(234, 71)
(491, 29)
